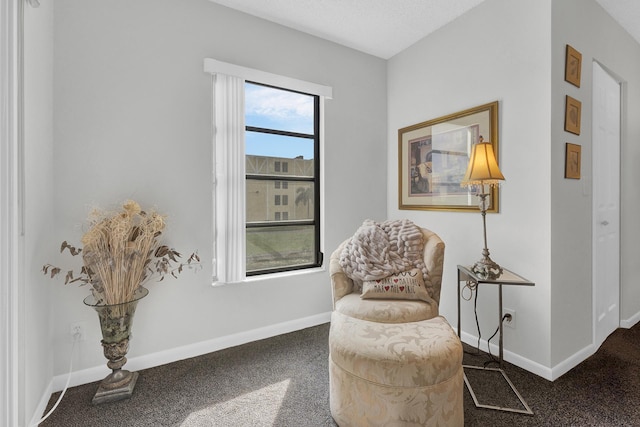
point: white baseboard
(580, 356)
(513, 358)
(628, 323)
(545, 372)
(42, 405)
(97, 373)
(572, 361)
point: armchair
(393, 359)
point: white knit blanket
(378, 250)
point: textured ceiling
(385, 27)
(378, 27)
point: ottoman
(395, 374)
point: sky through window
(278, 109)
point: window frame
(281, 200)
(228, 185)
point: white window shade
(229, 175)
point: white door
(606, 203)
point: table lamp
(483, 171)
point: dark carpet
(604, 390)
(283, 381)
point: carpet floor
(283, 381)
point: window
(282, 129)
(259, 119)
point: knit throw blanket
(378, 250)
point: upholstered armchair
(394, 361)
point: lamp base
(486, 268)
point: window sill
(272, 276)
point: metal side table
(506, 278)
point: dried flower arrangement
(121, 251)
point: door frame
(11, 220)
(596, 342)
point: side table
(506, 278)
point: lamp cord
(491, 356)
(474, 287)
(76, 337)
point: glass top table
(509, 278)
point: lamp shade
(483, 167)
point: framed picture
(573, 66)
(433, 158)
(572, 161)
(572, 113)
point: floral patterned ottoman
(395, 374)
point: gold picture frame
(573, 154)
(573, 110)
(573, 66)
(433, 158)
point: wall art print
(572, 115)
(433, 157)
(573, 66)
(573, 154)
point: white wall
(132, 120)
(37, 363)
(497, 51)
(599, 38)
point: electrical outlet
(510, 320)
(77, 328)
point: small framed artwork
(573, 109)
(572, 161)
(433, 157)
(573, 66)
